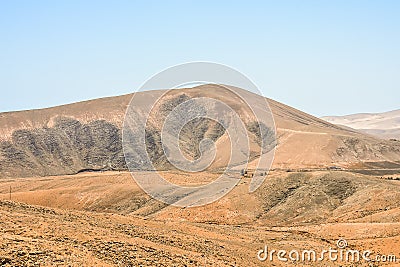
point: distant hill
(384, 125)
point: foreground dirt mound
(106, 220)
(39, 236)
(284, 199)
(33, 236)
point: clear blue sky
(323, 57)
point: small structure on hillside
(334, 168)
(245, 173)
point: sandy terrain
(104, 219)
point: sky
(322, 57)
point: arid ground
(104, 219)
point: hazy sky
(323, 57)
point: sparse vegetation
(392, 178)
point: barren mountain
(385, 125)
(106, 219)
(87, 136)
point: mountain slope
(87, 136)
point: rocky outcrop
(66, 148)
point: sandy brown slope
(87, 135)
(106, 220)
(111, 109)
(306, 141)
(284, 199)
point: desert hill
(385, 125)
(87, 136)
